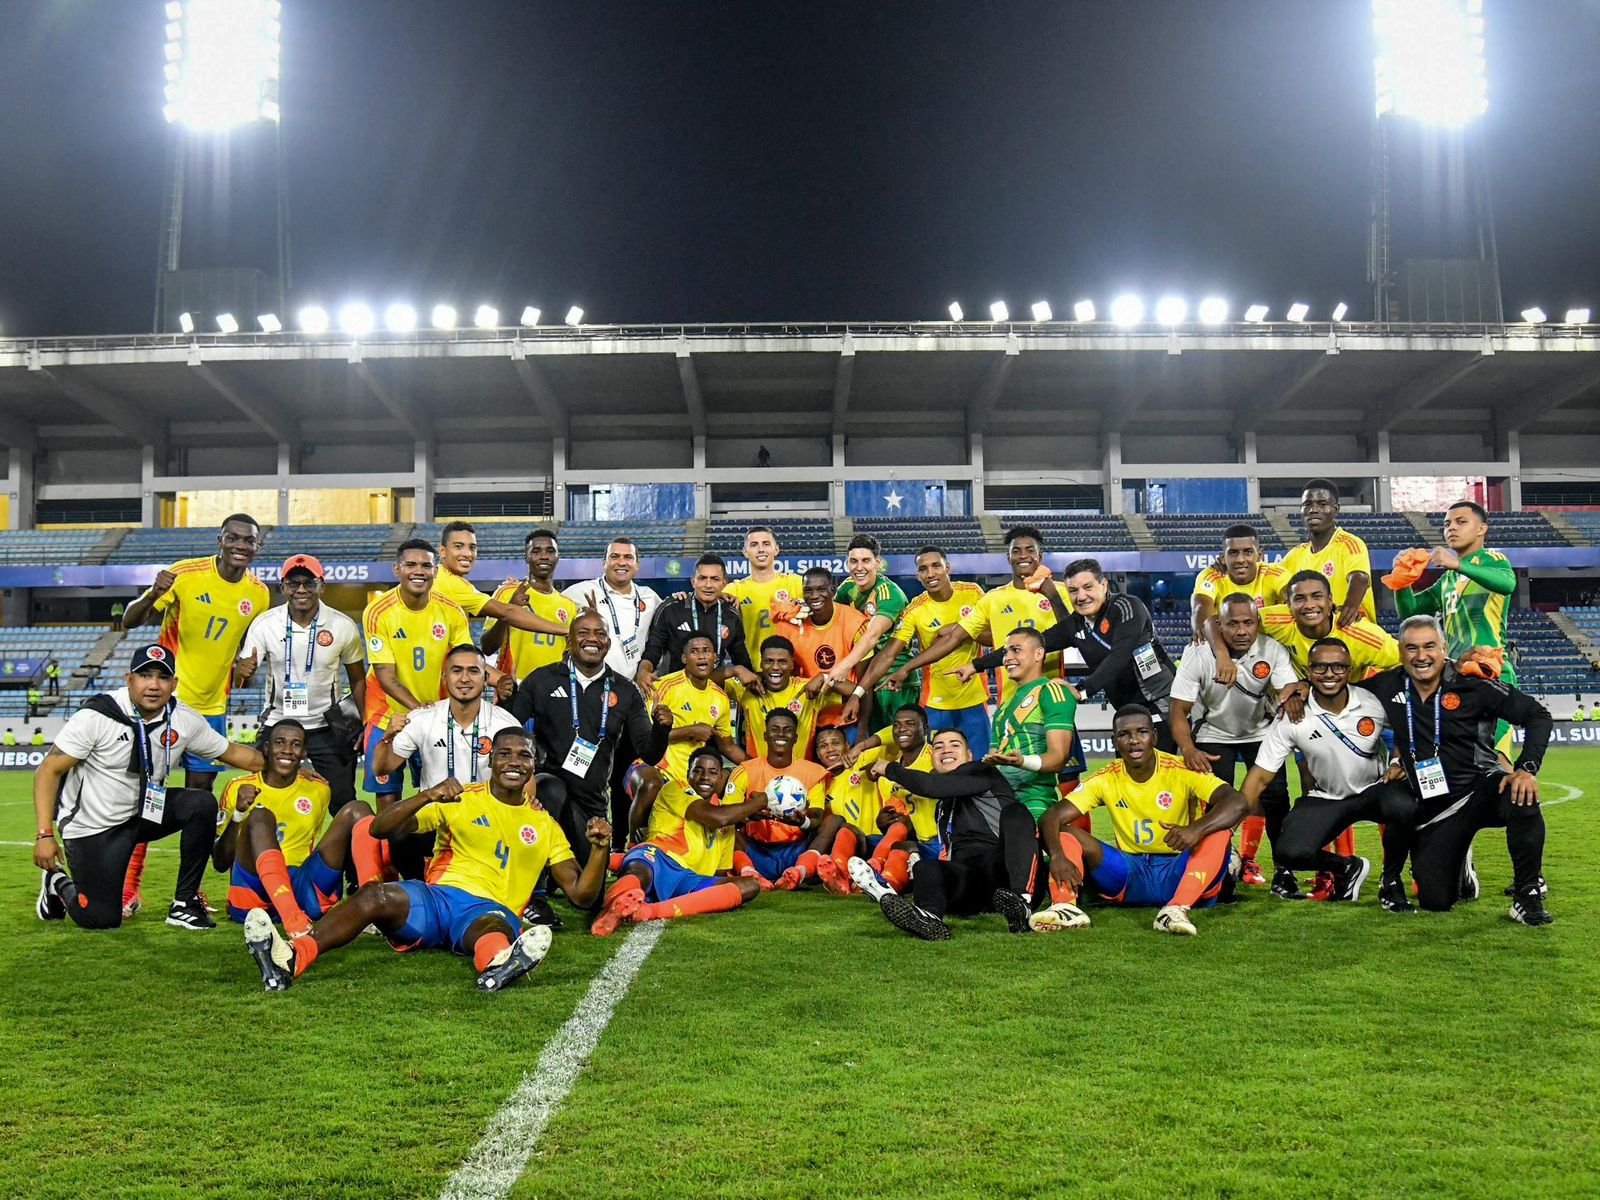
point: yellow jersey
(449, 586)
(853, 796)
(492, 850)
(203, 621)
(523, 651)
(921, 622)
(689, 844)
(756, 705)
(755, 606)
(414, 643)
(1371, 648)
(299, 809)
(1344, 553)
(1173, 794)
(750, 778)
(1266, 588)
(921, 810)
(1000, 612)
(690, 705)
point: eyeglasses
(1327, 668)
(301, 585)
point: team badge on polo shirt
(1366, 727)
(1105, 624)
(324, 638)
(1451, 700)
(1261, 670)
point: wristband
(239, 815)
(46, 834)
(859, 692)
(1032, 762)
(806, 822)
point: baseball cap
(153, 655)
(300, 562)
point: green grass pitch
(803, 1048)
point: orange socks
(486, 947)
(1345, 843)
(897, 832)
(615, 862)
(625, 884)
(743, 866)
(721, 898)
(1205, 863)
(896, 870)
(367, 853)
(274, 876)
(845, 844)
(1060, 893)
(305, 953)
(1250, 835)
(807, 863)
(130, 881)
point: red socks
(274, 876)
(305, 953)
(486, 947)
(897, 832)
(1060, 893)
(721, 898)
(845, 844)
(1205, 864)
(1250, 835)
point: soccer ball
(786, 796)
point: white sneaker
(868, 880)
(272, 954)
(1174, 918)
(1057, 917)
(517, 959)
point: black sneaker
(1013, 906)
(539, 912)
(1395, 897)
(271, 952)
(516, 960)
(1285, 886)
(903, 914)
(1528, 907)
(1469, 879)
(49, 906)
(1544, 888)
(1347, 880)
(190, 914)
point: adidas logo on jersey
(559, 694)
(204, 597)
(481, 819)
(399, 635)
(1315, 734)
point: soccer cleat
(200, 895)
(190, 914)
(790, 879)
(1056, 917)
(1250, 873)
(834, 877)
(132, 902)
(1347, 880)
(868, 880)
(1285, 886)
(1528, 907)
(903, 914)
(751, 873)
(1322, 887)
(1469, 878)
(49, 906)
(619, 910)
(1174, 918)
(272, 954)
(539, 912)
(516, 960)
(1393, 896)
(1013, 906)
(1544, 888)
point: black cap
(153, 655)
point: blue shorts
(1146, 880)
(317, 888)
(441, 915)
(388, 785)
(772, 860)
(193, 762)
(669, 878)
(972, 723)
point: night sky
(678, 160)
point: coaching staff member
(104, 785)
(702, 610)
(577, 710)
(1444, 733)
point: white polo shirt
(1345, 751)
(1243, 712)
(101, 793)
(626, 614)
(330, 642)
(432, 733)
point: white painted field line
(1573, 793)
(500, 1155)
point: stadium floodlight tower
(1431, 247)
(222, 73)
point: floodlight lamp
(574, 316)
(1429, 62)
(174, 11)
(1127, 310)
(312, 319)
(999, 311)
(269, 323)
(1213, 310)
(356, 319)
(1041, 311)
(530, 316)
(487, 317)
(1256, 314)
(1577, 316)
(399, 318)
(227, 322)
(186, 322)
(1171, 310)
(443, 317)
(1297, 312)
(1083, 310)
(1534, 315)
(227, 52)
(957, 313)
(1339, 310)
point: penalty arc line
(497, 1161)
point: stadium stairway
(1139, 530)
(993, 530)
(391, 544)
(694, 537)
(1287, 533)
(843, 530)
(1585, 636)
(1430, 536)
(1558, 522)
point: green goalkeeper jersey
(1473, 602)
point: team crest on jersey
(528, 834)
(563, 615)
(1327, 569)
(1105, 624)
(324, 638)
(438, 631)
(169, 737)
(855, 778)
(1164, 800)
(1451, 700)
(966, 610)
(246, 608)
(1261, 670)
(1366, 727)
(871, 609)
(302, 805)
(485, 744)
(1027, 702)
(1044, 604)
(374, 644)
(826, 657)
(780, 594)
(716, 711)
(795, 706)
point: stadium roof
(754, 380)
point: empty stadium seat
(906, 535)
(796, 535)
(1203, 531)
(1075, 533)
(48, 547)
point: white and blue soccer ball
(786, 796)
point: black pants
(335, 760)
(1440, 846)
(1274, 800)
(1165, 742)
(98, 862)
(622, 756)
(1317, 820)
(965, 883)
(573, 808)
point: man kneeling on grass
(1146, 792)
(682, 869)
(494, 842)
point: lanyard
(450, 742)
(147, 756)
(1340, 734)
(288, 644)
(1411, 728)
(605, 594)
(605, 702)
